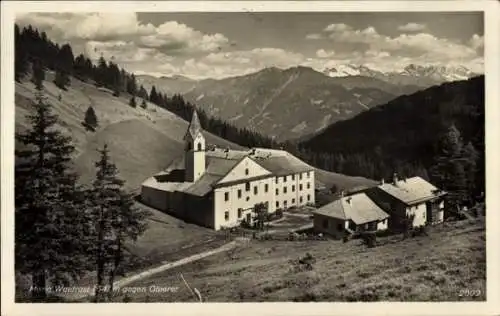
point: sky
(218, 45)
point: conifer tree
(51, 223)
(448, 170)
(21, 58)
(116, 219)
(132, 102)
(470, 159)
(143, 104)
(90, 120)
(62, 79)
(38, 74)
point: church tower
(194, 160)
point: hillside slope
(141, 141)
(406, 128)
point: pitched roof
(279, 162)
(358, 207)
(219, 162)
(411, 190)
(194, 127)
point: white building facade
(225, 185)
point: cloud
(412, 27)
(417, 45)
(321, 53)
(337, 27)
(225, 64)
(314, 36)
(477, 42)
(170, 37)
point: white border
(492, 67)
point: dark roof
(358, 207)
(411, 190)
(194, 127)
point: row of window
(293, 188)
(247, 188)
(301, 200)
(308, 174)
(266, 189)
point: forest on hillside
(403, 136)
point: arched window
(199, 146)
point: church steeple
(194, 160)
(194, 127)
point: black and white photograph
(249, 156)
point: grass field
(437, 267)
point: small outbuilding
(349, 214)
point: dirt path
(152, 271)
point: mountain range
(299, 102)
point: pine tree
(143, 104)
(448, 170)
(50, 217)
(21, 58)
(153, 96)
(132, 102)
(38, 74)
(90, 120)
(470, 156)
(62, 79)
(116, 221)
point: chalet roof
(411, 190)
(358, 207)
(194, 127)
(219, 162)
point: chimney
(395, 178)
(341, 193)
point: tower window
(300, 176)
(308, 185)
(199, 146)
(300, 199)
(293, 201)
(284, 178)
(246, 171)
(276, 179)
(308, 197)
(293, 177)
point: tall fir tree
(21, 58)
(470, 159)
(51, 222)
(143, 104)
(448, 171)
(117, 220)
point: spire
(194, 127)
